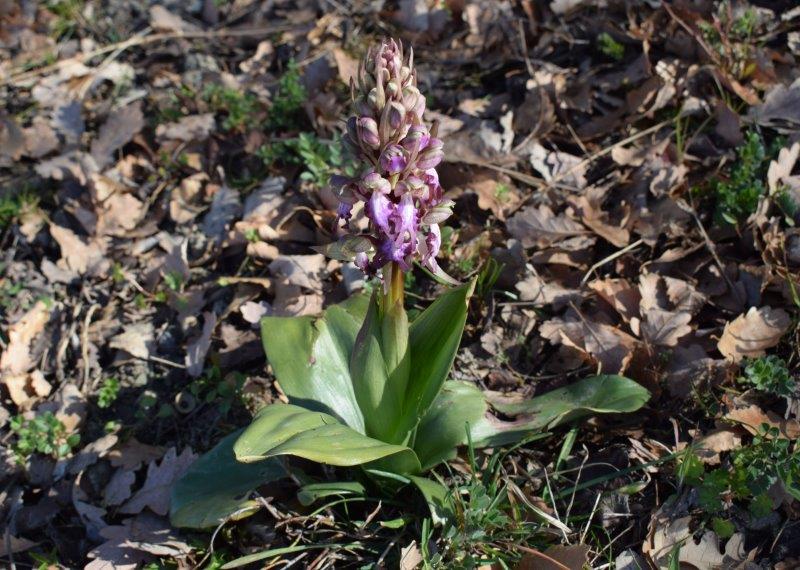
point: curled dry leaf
(749, 335)
(27, 389)
(17, 357)
(197, 349)
(78, 255)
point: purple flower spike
(404, 200)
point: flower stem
(395, 285)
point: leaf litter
(151, 213)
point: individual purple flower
(380, 210)
(393, 159)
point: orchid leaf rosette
(366, 387)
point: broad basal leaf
(434, 337)
(379, 399)
(445, 425)
(596, 395)
(311, 358)
(216, 486)
(284, 429)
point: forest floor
(627, 189)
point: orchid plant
(366, 387)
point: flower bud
(431, 156)
(417, 137)
(439, 213)
(396, 114)
(410, 96)
(415, 186)
(393, 159)
(367, 130)
(374, 182)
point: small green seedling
(108, 392)
(239, 107)
(769, 374)
(44, 434)
(610, 47)
(288, 100)
(737, 196)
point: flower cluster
(399, 186)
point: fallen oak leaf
(749, 335)
(158, 484)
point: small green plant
(320, 158)
(239, 107)
(44, 434)
(288, 100)
(745, 477)
(67, 16)
(14, 204)
(212, 388)
(108, 392)
(610, 47)
(737, 196)
(769, 374)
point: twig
(85, 346)
(15, 78)
(541, 555)
(612, 257)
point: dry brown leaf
(708, 447)
(540, 227)
(541, 293)
(120, 127)
(557, 557)
(160, 477)
(198, 347)
(749, 335)
(163, 20)
(494, 195)
(665, 535)
(305, 271)
(27, 389)
(602, 343)
(752, 418)
(17, 357)
(190, 128)
(131, 454)
(619, 294)
(78, 255)
(138, 339)
(662, 328)
(558, 166)
(118, 490)
(184, 203)
(225, 207)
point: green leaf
(434, 337)
(284, 429)
(606, 394)
(437, 496)
(216, 486)
(377, 397)
(444, 426)
(311, 493)
(311, 358)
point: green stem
(394, 291)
